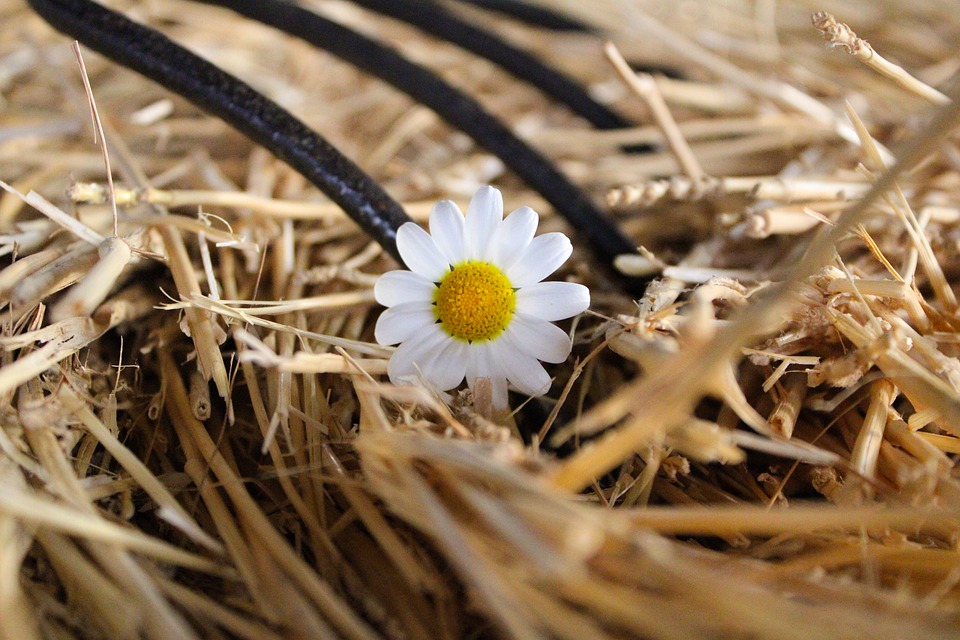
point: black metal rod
(216, 92)
(434, 19)
(532, 14)
(455, 107)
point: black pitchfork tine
(157, 57)
(433, 18)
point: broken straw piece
(93, 289)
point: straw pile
(196, 436)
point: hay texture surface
(198, 439)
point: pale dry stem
(840, 35)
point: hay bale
(197, 438)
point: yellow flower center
(475, 301)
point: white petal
(512, 237)
(441, 359)
(553, 300)
(483, 215)
(522, 370)
(446, 227)
(481, 362)
(420, 252)
(403, 321)
(413, 350)
(447, 366)
(395, 287)
(543, 256)
(539, 338)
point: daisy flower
(473, 304)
